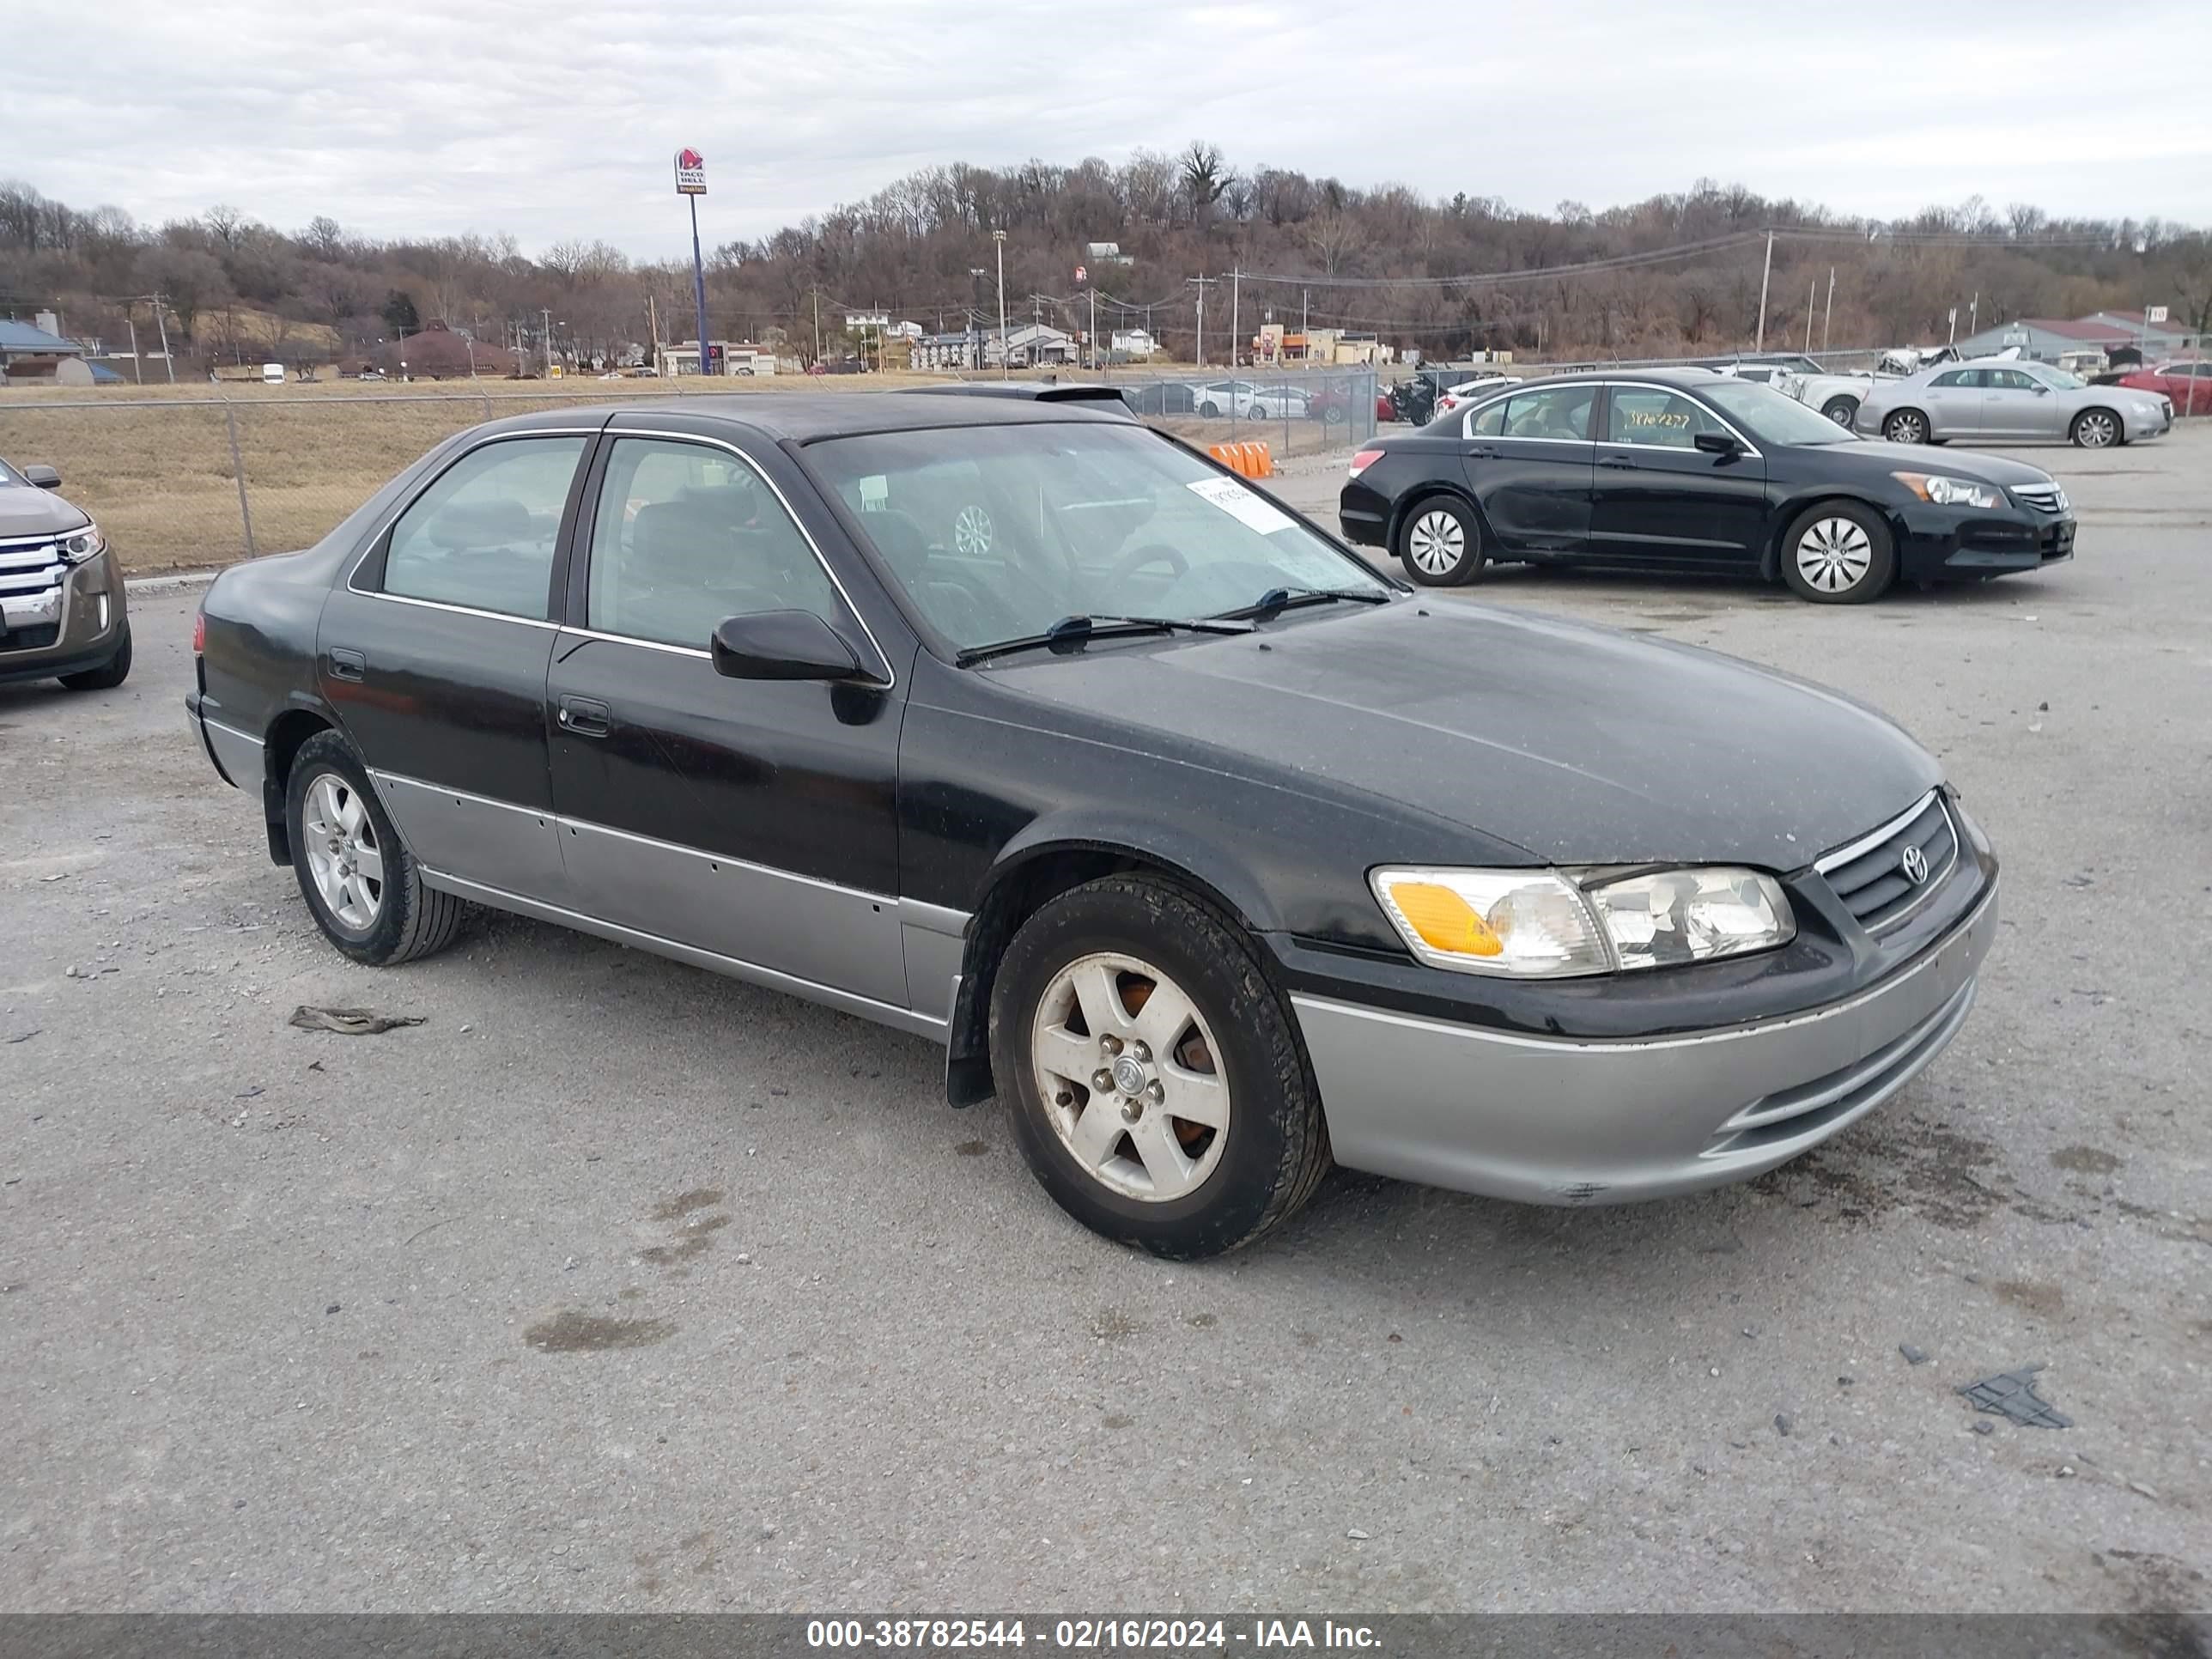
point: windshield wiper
(1074, 629)
(1289, 598)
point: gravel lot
(615, 1285)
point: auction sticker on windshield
(1248, 506)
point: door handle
(1616, 460)
(1482, 454)
(347, 664)
(584, 717)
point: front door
(1527, 458)
(2015, 404)
(752, 819)
(1657, 498)
(433, 657)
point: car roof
(1687, 378)
(805, 417)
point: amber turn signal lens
(1444, 920)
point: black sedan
(1214, 855)
(1687, 470)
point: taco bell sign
(690, 173)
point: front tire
(1210, 410)
(1439, 542)
(1907, 426)
(1841, 410)
(2096, 428)
(1150, 1070)
(1837, 553)
(109, 675)
(360, 882)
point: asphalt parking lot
(616, 1286)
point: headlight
(1950, 492)
(78, 545)
(1535, 924)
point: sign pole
(691, 181)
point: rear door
(1656, 497)
(754, 819)
(1529, 459)
(434, 656)
(1954, 404)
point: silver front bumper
(1549, 1122)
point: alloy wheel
(343, 855)
(1436, 542)
(2095, 430)
(972, 531)
(1907, 428)
(1833, 555)
(1127, 1069)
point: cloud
(556, 118)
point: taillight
(1364, 459)
(199, 633)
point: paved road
(615, 1285)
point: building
(956, 349)
(1027, 345)
(723, 357)
(2071, 342)
(1105, 253)
(1134, 345)
(35, 355)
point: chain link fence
(193, 482)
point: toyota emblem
(1914, 863)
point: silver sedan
(2004, 400)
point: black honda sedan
(1025, 728)
(1683, 470)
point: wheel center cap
(1129, 1075)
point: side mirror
(45, 476)
(782, 645)
(2041, 389)
(1718, 443)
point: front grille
(1871, 875)
(31, 567)
(2043, 497)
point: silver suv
(62, 614)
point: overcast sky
(551, 119)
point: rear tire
(1905, 426)
(1440, 543)
(1841, 410)
(1212, 411)
(109, 675)
(1145, 1174)
(2097, 429)
(361, 884)
(1837, 553)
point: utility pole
(1812, 291)
(1828, 316)
(1759, 341)
(1974, 314)
(999, 242)
(137, 368)
(1094, 331)
(168, 362)
(1235, 307)
(545, 323)
(1201, 283)
(817, 322)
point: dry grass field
(154, 465)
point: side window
(1488, 421)
(1965, 378)
(481, 535)
(686, 536)
(2012, 379)
(1562, 413)
(1651, 418)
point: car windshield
(1770, 416)
(998, 532)
(8, 477)
(2059, 379)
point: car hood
(1969, 464)
(27, 510)
(1580, 744)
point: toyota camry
(1213, 854)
